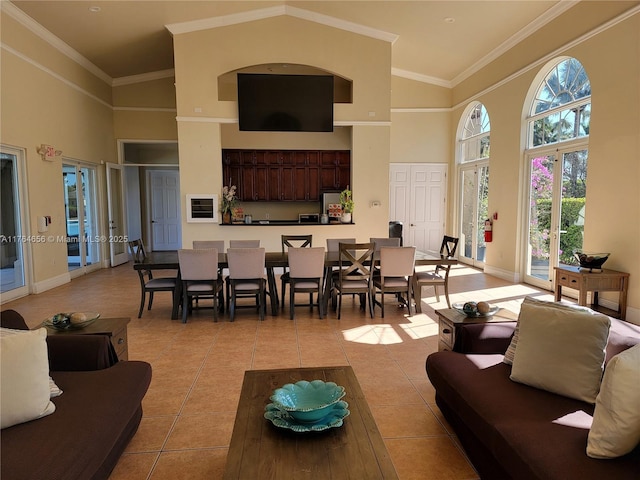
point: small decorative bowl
(472, 310)
(71, 321)
(591, 260)
(307, 402)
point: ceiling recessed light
(94, 9)
(449, 20)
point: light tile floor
(198, 369)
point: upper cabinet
(286, 175)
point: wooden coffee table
(260, 450)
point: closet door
(417, 198)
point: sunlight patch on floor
(376, 334)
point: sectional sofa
(515, 428)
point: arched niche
(228, 85)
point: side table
(115, 328)
(585, 281)
(450, 321)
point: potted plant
(229, 202)
(346, 202)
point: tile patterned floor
(198, 368)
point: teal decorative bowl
(307, 402)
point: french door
(81, 212)
(13, 244)
(417, 198)
(474, 194)
(557, 206)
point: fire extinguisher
(488, 230)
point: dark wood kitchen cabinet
(286, 175)
(335, 170)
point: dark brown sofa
(514, 431)
(95, 417)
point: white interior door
(117, 228)
(418, 195)
(165, 209)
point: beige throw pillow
(24, 392)
(616, 420)
(511, 350)
(561, 350)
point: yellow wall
(40, 106)
(201, 135)
(612, 62)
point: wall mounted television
(285, 103)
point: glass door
(12, 237)
(81, 212)
(557, 206)
(474, 211)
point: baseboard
(509, 276)
(49, 283)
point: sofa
(512, 430)
(94, 418)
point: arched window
(474, 148)
(475, 135)
(557, 153)
(561, 110)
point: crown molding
(551, 14)
(421, 78)
(553, 54)
(143, 77)
(422, 110)
(37, 29)
(270, 12)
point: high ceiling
(439, 42)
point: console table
(115, 328)
(451, 320)
(586, 281)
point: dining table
(168, 260)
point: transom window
(475, 135)
(561, 110)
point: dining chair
(137, 250)
(396, 271)
(217, 244)
(288, 242)
(438, 277)
(200, 278)
(306, 270)
(149, 284)
(331, 275)
(246, 278)
(380, 242)
(355, 274)
(244, 243)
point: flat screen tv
(285, 103)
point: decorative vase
(346, 217)
(226, 218)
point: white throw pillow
(561, 350)
(511, 350)
(616, 420)
(24, 380)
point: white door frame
(23, 212)
(115, 231)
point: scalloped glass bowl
(591, 260)
(307, 401)
(66, 321)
